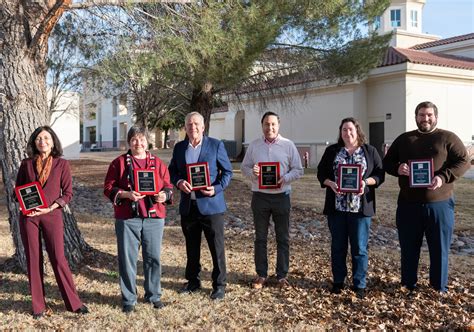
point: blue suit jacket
(220, 169)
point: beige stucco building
(416, 68)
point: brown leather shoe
(259, 282)
(283, 283)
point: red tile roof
(401, 55)
(445, 41)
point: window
(414, 18)
(395, 18)
(377, 23)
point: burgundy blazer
(58, 187)
(116, 180)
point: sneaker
(128, 308)
(158, 305)
(283, 283)
(190, 287)
(359, 292)
(259, 282)
(218, 294)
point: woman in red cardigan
(45, 166)
(139, 217)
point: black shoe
(38, 315)
(360, 292)
(82, 310)
(337, 287)
(218, 294)
(158, 304)
(189, 288)
(411, 288)
(128, 308)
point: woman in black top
(349, 213)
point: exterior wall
(386, 103)
(405, 39)
(454, 99)
(217, 127)
(109, 113)
(310, 120)
(305, 118)
(390, 95)
(65, 121)
(396, 90)
(105, 137)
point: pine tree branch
(47, 25)
(94, 3)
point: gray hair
(190, 115)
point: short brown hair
(136, 130)
(426, 104)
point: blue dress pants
(350, 227)
(434, 220)
(131, 234)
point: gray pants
(131, 233)
(278, 207)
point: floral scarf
(43, 168)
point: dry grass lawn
(306, 305)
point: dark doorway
(377, 134)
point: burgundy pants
(51, 226)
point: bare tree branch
(94, 3)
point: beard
(426, 126)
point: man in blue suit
(202, 210)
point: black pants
(213, 226)
(276, 206)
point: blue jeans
(354, 228)
(131, 233)
(435, 221)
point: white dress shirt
(281, 150)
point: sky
(448, 18)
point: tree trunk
(24, 31)
(167, 135)
(201, 102)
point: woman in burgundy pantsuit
(53, 173)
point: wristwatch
(366, 182)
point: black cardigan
(374, 170)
